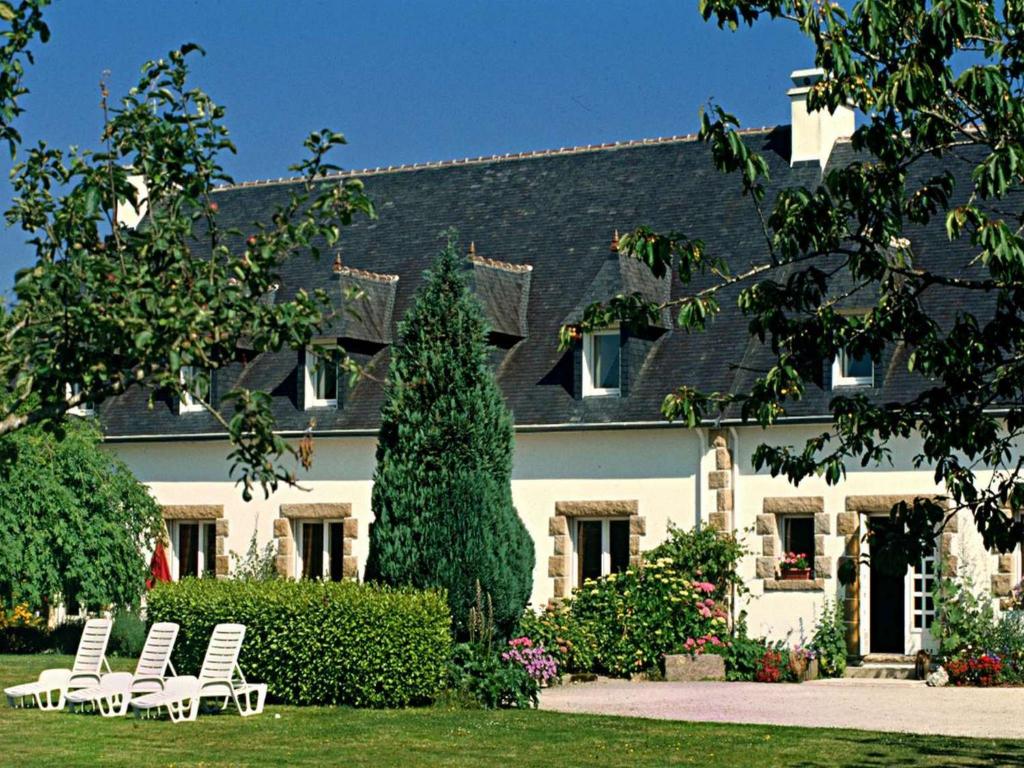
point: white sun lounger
(219, 678)
(52, 686)
(116, 689)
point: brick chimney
(814, 133)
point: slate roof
(554, 213)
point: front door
(888, 599)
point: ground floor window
(922, 585)
(602, 547)
(797, 534)
(194, 545)
(320, 549)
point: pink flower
(705, 586)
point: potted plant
(795, 565)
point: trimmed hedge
(318, 642)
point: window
(195, 386)
(797, 534)
(321, 380)
(850, 371)
(320, 548)
(923, 584)
(84, 408)
(602, 547)
(194, 547)
(601, 372)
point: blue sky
(411, 81)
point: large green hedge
(315, 642)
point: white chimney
(127, 214)
(815, 133)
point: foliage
(984, 670)
(317, 642)
(538, 663)
(491, 679)
(963, 616)
(704, 554)
(127, 634)
(1005, 640)
(772, 667)
(106, 307)
(829, 641)
(74, 521)
(741, 653)
(645, 612)
(442, 497)
(572, 643)
(22, 631)
(794, 561)
(65, 636)
(256, 564)
(938, 153)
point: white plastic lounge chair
(220, 678)
(115, 689)
(53, 684)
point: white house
(598, 473)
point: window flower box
(797, 574)
(795, 566)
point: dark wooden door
(888, 606)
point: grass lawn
(445, 737)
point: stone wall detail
(285, 540)
(720, 481)
(560, 562)
(772, 549)
(204, 513)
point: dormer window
(321, 378)
(195, 388)
(852, 371)
(601, 367)
(84, 408)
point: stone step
(882, 671)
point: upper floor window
(195, 388)
(84, 407)
(851, 371)
(601, 367)
(321, 379)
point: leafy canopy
(940, 148)
(74, 521)
(107, 307)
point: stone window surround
(204, 513)
(767, 527)
(288, 513)
(561, 562)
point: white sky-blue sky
(411, 81)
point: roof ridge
(508, 156)
(507, 266)
(366, 274)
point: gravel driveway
(872, 705)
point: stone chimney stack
(814, 133)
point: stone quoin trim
(283, 538)
(720, 481)
(205, 512)
(772, 546)
(849, 524)
(560, 563)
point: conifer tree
(442, 496)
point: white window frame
(589, 389)
(298, 533)
(82, 409)
(839, 379)
(309, 366)
(174, 532)
(186, 403)
(606, 544)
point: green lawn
(444, 737)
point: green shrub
(24, 639)
(318, 642)
(127, 635)
(741, 653)
(704, 554)
(643, 613)
(65, 636)
(491, 681)
(1006, 640)
(571, 642)
(829, 641)
(964, 617)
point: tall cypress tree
(442, 495)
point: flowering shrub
(21, 631)
(772, 667)
(639, 615)
(794, 561)
(538, 663)
(983, 670)
(829, 641)
(570, 642)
